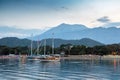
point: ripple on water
(71, 70)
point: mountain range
(14, 42)
(107, 35)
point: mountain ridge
(108, 35)
(14, 42)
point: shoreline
(92, 57)
(73, 57)
(9, 57)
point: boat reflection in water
(23, 59)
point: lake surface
(23, 69)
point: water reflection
(23, 69)
(23, 59)
(114, 64)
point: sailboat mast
(52, 44)
(38, 45)
(44, 47)
(31, 44)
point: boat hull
(50, 59)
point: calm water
(22, 69)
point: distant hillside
(14, 42)
(107, 35)
(84, 41)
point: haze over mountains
(11, 31)
(107, 35)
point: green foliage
(96, 50)
(4, 50)
(69, 49)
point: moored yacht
(52, 57)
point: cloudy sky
(41, 14)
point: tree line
(113, 49)
(68, 49)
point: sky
(42, 14)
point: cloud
(65, 8)
(11, 31)
(104, 19)
(12, 34)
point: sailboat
(44, 57)
(53, 57)
(32, 56)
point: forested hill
(14, 42)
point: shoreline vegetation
(73, 57)
(67, 51)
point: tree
(4, 50)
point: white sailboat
(31, 56)
(44, 57)
(53, 57)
